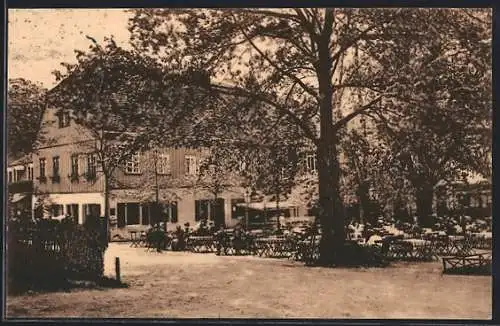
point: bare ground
(175, 284)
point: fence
(50, 253)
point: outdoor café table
(201, 243)
(422, 249)
(394, 247)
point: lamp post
(247, 201)
(464, 201)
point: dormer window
(64, 119)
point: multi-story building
(67, 180)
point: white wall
(74, 198)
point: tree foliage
(25, 107)
(125, 103)
(299, 62)
(442, 125)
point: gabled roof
(23, 160)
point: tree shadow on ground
(51, 285)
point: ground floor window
(72, 210)
(237, 210)
(133, 212)
(201, 209)
(294, 211)
(210, 209)
(139, 214)
(56, 210)
(92, 210)
(170, 211)
(145, 214)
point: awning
(145, 196)
(267, 205)
(17, 197)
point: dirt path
(204, 285)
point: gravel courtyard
(178, 284)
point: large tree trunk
(424, 196)
(331, 212)
(364, 202)
(278, 223)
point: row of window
(135, 213)
(16, 175)
(72, 210)
(132, 166)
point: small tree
(215, 174)
(114, 95)
(25, 106)
(276, 173)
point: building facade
(20, 185)
(67, 180)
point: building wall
(146, 178)
(69, 198)
(65, 183)
(66, 141)
(185, 203)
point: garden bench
(468, 264)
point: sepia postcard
(264, 163)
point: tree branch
(309, 28)
(270, 13)
(308, 89)
(244, 93)
(342, 122)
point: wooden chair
(134, 239)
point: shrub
(355, 255)
(49, 254)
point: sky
(40, 39)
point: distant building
(473, 199)
(20, 185)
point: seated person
(221, 239)
(374, 239)
(179, 241)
